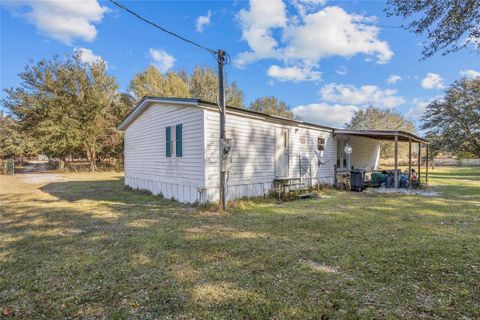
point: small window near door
(321, 144)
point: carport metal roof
(383, 135)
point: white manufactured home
(172, 148)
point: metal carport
(395, 136)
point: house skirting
(194, 194)
(180, 192)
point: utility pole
(222, 59)
(223, 112)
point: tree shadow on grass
(104, 190)
(101, 251)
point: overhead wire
(222, 57)
(225, 58)
(390, 27)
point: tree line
(201, 84)
(65, 108)
(451, 122)
(374, 118)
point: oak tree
(452, 123)
(449, 25)
(273, 106)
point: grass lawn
(84, 247)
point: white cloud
(162, 60)
(257, 24)
(309, 38)
(469, 73)
(342, 70)
(62, 20)
(433, 81)
(294, 74)
(393, 78)
(416, 112)
(203, 21)
(87, 55)
(364, 95)
(333, 32)
(325, 114)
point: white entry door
(282, 152)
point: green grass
(85, 247)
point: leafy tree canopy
(449, 25)
(13, 143)
(69, 107)
(201, 84)
(273, 106)
(152, 83)
(374, 118)
(453, 122)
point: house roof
(143, 104)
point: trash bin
(357, 180)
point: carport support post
(426, 166)
(419, 160)
(395, 175)
(410, 163)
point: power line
(384, 26)
(391, 27)
(213, 52)
(222, 58)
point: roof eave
(391, 133)
(142, 104)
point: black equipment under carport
(357, 180)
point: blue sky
(324, 58)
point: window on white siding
(178, 140)
(321, 144)
(173, 141)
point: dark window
(321, 144)
(178, 141)
(168, 142)
(173, 141)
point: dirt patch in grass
(41, 178)
(316, 266)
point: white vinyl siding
(304, 142)
(146, 164)
(365, 152)
(253, 154)
(195, 175)
(367, 155)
